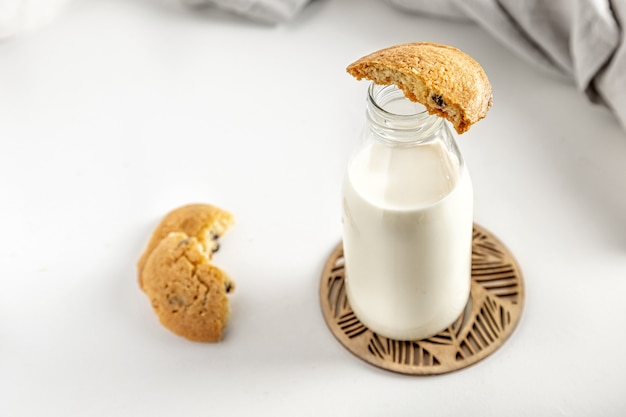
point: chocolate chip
(216, 248)
(228, 287)
(438, 99)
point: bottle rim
(377, 93)
(414, 123)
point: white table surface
(118, 111)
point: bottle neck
(398, 121)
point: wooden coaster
(491, 314)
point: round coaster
(492, 312)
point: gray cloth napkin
(267, 11)
(580, 39)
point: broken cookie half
(447, 81)
(187, 292)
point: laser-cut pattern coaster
(491, 314)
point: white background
(120, 110)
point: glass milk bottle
(407, 221)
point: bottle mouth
(390, 100)
(394, 117)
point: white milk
(407, 220)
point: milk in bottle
(407, 221)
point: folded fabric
(578, 38)
(18, 16)
(267, 11)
